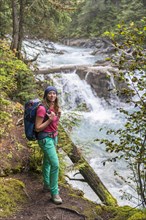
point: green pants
(50, 167)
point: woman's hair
(56, 104)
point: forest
(65, 19)
(121, 26)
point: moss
(122, 213)
(98, 209)
(110, 200)
(89, 210)
(138, 216)
(11, 194)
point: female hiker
(46, 125)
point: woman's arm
(40, 125)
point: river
(75, 94)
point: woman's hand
(51, 115)
(40, 124)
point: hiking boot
(57, 199)
(46, 188)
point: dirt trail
(40, 207)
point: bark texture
(14, 43)
(18, 23)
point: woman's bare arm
(40, 125)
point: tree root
(72, 210)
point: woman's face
(51, 96)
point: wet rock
(103, 81)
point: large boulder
(103, 81)
(99, 45)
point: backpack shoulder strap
(46, 117)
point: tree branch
(81, 180)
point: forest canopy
(57, 19)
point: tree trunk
(86, 170)
(18, 22)
(21, 23)
(14, 43)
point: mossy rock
(138, 216)
(11, 194)
(122, 213)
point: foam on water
(74, 92)
(76, 96)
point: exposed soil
(40, 207)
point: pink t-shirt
(53, 126)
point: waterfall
(77, 98)
(73, 93)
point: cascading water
(73, 94)
(61, 56)
(77, 97)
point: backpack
(30, 109)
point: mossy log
(66, 68)
(86, 170)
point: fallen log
(66, 68)
(86, 170)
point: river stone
(102, 80)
